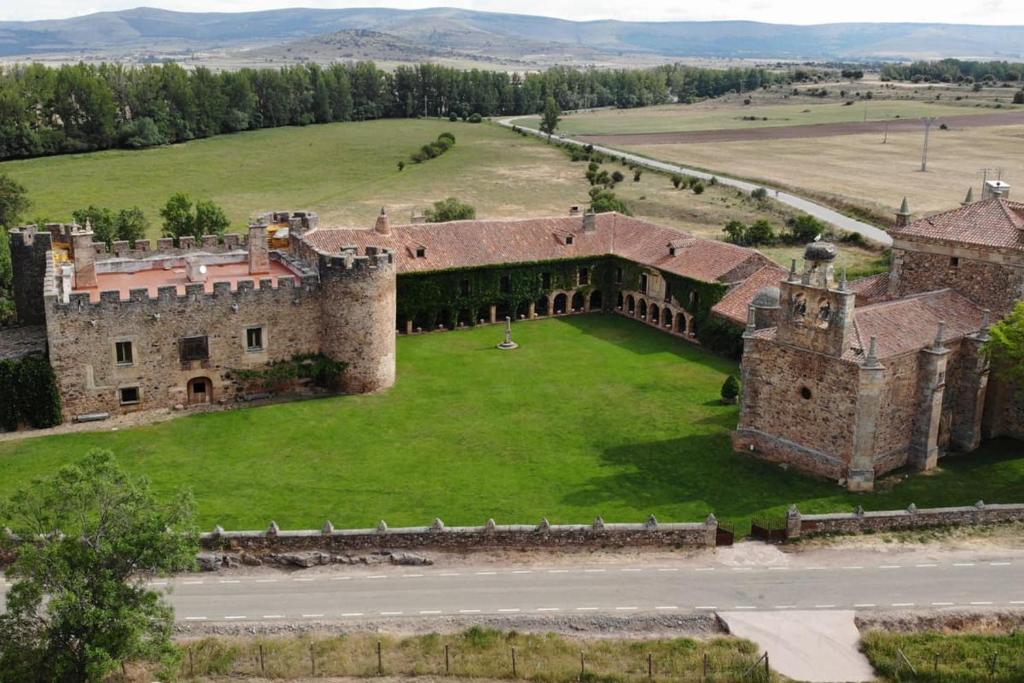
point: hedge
(28, 394)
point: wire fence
(478, 653)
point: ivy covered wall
(28, 394)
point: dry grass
(861, 168)
(477, 653)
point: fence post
(514, 672)
(650, 666)
(583, 666)
(705, 676)
(191, 663)
(447, 662)
(312, 660)
(767, 669)
(380, 659)
(935, 668)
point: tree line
(84, 107)
(954, 71)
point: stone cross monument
(508, 344)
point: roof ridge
(910, 297)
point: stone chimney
(195, 270)
(589, 221)
(259, 251)
(903, 215)
(383, 225)
(969, 199)
(85, 257)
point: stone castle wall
(800, 525)
(30, 259)
(996, 284)
(894, 428)
(814, 434)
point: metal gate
(770, 528)
(726, 534)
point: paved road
(669, 587)
(807, 206)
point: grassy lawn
(942, 657)
(593, 415)
(728, 114)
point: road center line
(942, 604)
(586, 609)
(864, 604)
(351, 614)
(234, 617)
(666, 607)
(311, 616)
(509, 609)
(469, 611)
(902, 604)
(430, 611)
(195, 618)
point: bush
(1018, 97)
(28, 394)
(617, 177)
(140, 133)
(636, 175)
(453, 117)
(450, 209)
(730, 389)
(735, 232)
(805, 228)
(401, 166)
(604, 201)
(697, 187)
(475, 118)
(677, 180)
(760, 194)
(760, 232)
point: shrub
(475, 118)
(140, 133)
(760, 232)
(401, 166)
(617, 177)
(603, 201)
(28, 394)
(677, 180)
(760, 194)
(636, 175)
(697, 187)
(1018, 97)
(730, 389)
(735, 232)
(453, 117)
(450, 209)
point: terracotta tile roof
(735, 303)
(871, 289)
(989, 223)
(911, 323)
(471, 244)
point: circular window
(805, 392)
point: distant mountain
(482, 32)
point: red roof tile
(471, 244)
(735, 303)
(871, 289)
(989, 223)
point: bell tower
(816, 311)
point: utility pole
(928, 121)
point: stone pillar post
(924, 444)
(259, 251)
(711, 531)
(532, 312)
(793, 522)
(860, 475)
(408, 326)
(965, 432)
(494, 314)
(586, 304)
(85, 258)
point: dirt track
(816, 130)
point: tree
(677, 180)
(131, 224)
(91, 536)
(450, 209)
(604, 201)
(1006, 343)
(730, 390)
(617, 177)
(13, 201)
(805, 228)
(735, 232)
(183, 219)
(1018, 97)
(760, 232)
(760, 194)
(100, 219)
(550, 117)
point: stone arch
(484, 314)
(443, 319)
(542, 306)
(421, 321)
(523, 310)
(620, 302)
(465, 317)
(643, 309)
(631, 305)
(503, 310)
(655, 315)
(667, 318)
(681, 323)
(596, 304)
(560, 304)
(577, 302)
(199, 391)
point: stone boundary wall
(859, 521)
(489, 536)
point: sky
(774, 11)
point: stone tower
(816, 311)
(358, 306)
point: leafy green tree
(131, 224)
(101, 220)
(760, 194)
(697, 187)
(450, 209)
(183, 219)
(677, 180)
(730, 389)
(14, 201)
(805, 228)
(550, 117)
(603, 201)
(735, 232)
(1006, 343)
(210, 219)
(760, 232)
(79, 607)
(617, 177)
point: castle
(852, 380)
(180, 324)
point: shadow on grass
(604, 326)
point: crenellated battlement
(350, 262)
(298, 222)
(164, 246)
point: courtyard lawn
(592, 415)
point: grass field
(863, 169)
(728, 114)
(592, 415)
(945, 658)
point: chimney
(195, 270)
(259, 252)
(383, 225)
(589, 221)
(903, 215)
(969, 199)
(85, 257)
(995, 189)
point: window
(506, 284)
(129, 395)
(584, 276)
(568, 239)
(618, 276)
(194, 348)
(643, 282)
(123, 351)
(464, 288)
(254, 339)
(954, 262)
(671, 250)
(421, 252)
(805, 393)
(668, 291)
(545, 280)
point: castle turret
(259, 250)
(383, 224)
(84, 254)
(816, 311)
(28, 265)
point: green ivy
(28, 394)
(722, 336)
(321, 369)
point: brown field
(861, 168)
